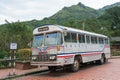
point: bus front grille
(45, 57)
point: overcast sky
(14, 10)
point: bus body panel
(65, 53)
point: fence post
(14, 52)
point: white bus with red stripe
(55, 45)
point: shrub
(117, 53)
(3, 54)
(24, 54)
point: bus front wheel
(75, 66)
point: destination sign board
(43, 29)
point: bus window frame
(44, 33)
(57, 35)
(65, 33)
(81, 34)
(87, 36)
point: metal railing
(9, 63)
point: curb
(115, 57)
(29, 73)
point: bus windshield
(38, 40)
(48, 39)
(53, 39)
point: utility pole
(83, 25)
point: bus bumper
(47, 63)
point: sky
(24, 10)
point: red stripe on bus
(65, 56)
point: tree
(112, 17)
(17, 32)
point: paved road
(108, 71)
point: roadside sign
(13, 46)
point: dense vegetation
(104, 21)
(17, 32)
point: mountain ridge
(77, 12)
(110, 6)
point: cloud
(28, 9)
(3, 18)
(22, 10)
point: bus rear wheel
(102, 60)
(75, 66)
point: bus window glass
(73, 37)
(51, 39)
(101, 41)
(81, 38)
(59, 38)
(94, 40)
(106, 41)
(88, 39)
(67, 37)
(38, 40)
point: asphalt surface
(108, 71)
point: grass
(117, 53)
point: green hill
(75, 12)
(78, 11)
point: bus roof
(52, 28)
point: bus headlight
(52, 57)
(34, 58)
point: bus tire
(76, 65)
(102, 60)
(52, 68)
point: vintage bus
(55, 46)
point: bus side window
(81, 38)
(94, 40)
(101, 41)
(59, 35)
(67, 37)
(73, 37)
(87, 39)
(106, 41)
